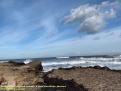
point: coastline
(75, 78)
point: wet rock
(102, 68)
(16, 63)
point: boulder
(36, 64)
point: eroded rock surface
(20, 74)
(91, 78)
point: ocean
(67, 62)
(113, 62)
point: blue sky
(47, 28)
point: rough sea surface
(113, 62)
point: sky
(52, 28)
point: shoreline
(75, 78)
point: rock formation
(86, 79)
(74, 79)
(20, 74)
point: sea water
(67, 62)
(112, 63)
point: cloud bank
(93, 18)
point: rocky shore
(72, 79)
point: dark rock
(70, 85)
(101, 68)
(69, 68)
(16, 63)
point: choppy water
(66, 62)
(112, 63)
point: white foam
(62, 57)
(63, 63)
(109, 62)
(3, 61)
(27, 61)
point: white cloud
(93, 18)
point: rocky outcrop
(36, 64)
(86, 79)
(20, 74)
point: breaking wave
(113, 63)
(27, 61)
